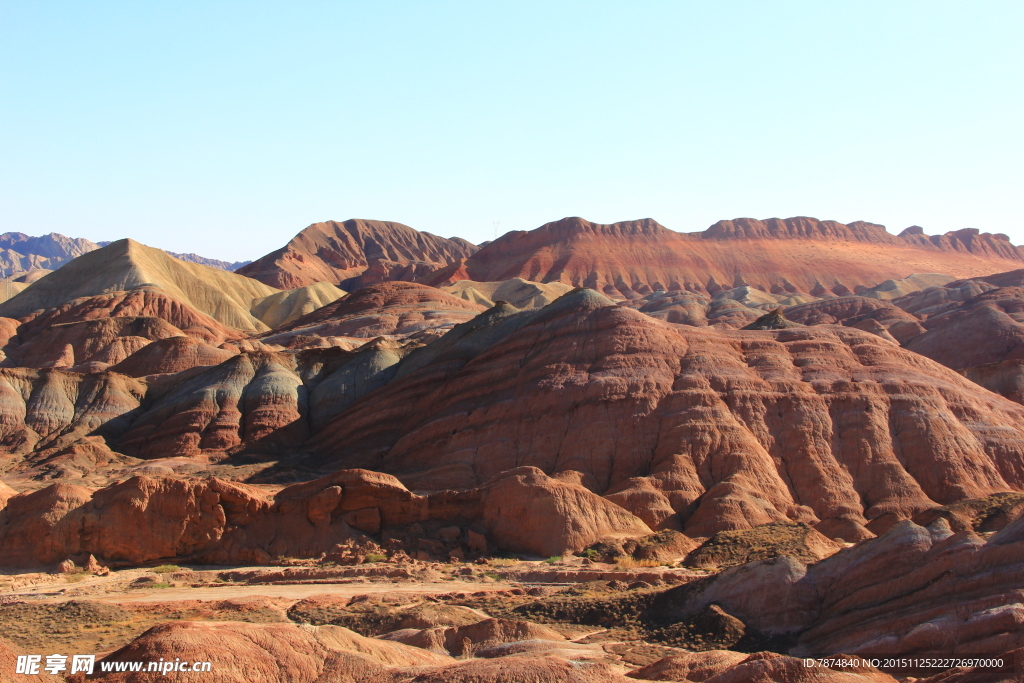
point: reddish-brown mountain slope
(693, 428)
(356, 253)
(633, 258)
(388, 308)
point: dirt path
(296, 591)
(109, 591)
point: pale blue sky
(226, 127)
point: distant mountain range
(21, 253)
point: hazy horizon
(225, 128)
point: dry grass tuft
(628, 562)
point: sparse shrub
(591, 554)
(502, 561)
(376, 557)
(629, 562)
(553, 559)
(167, 568)
(75, 577)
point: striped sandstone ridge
(696, 429)
(633, 258)
(125, 265)
(356, 253)
(221, 522)
(386, 309)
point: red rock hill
(356, 253)
(632, 258)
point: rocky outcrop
(145, 301)
(631, 259)
(398, 309)
(526, 511)
(354, 254)
(50, 409)
(170, 355)
(253, 399)
(713, 429)
(88, 346)
(214, 521)
(973, 326)
(913, 590)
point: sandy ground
(295, 591)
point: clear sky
(224, 128)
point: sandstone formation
(694, 429)
(713, 429)
(356, 253)
(145, 301)
(632, 259)
(386, 309)
(914, 590)
(221, 522)
(170, 355)
(51, 409)
(125, 265)
(974, 326)
(284, 307)
(517, 291)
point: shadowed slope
(694, 428)
(356, 253)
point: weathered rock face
(712, 429)
(356, 253)
(94, 333)
(170, 355)
(214, 521)
(631, 259)
(89, 346)
(256, 399)
(145, 301)
(526, 511)
(914, 590)
(973, 326)
(390, 308)
(50, 409)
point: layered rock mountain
(356, 253)
(631, 259)
(396, 309)
(694, 429)
(21, 253)
(125, 265)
